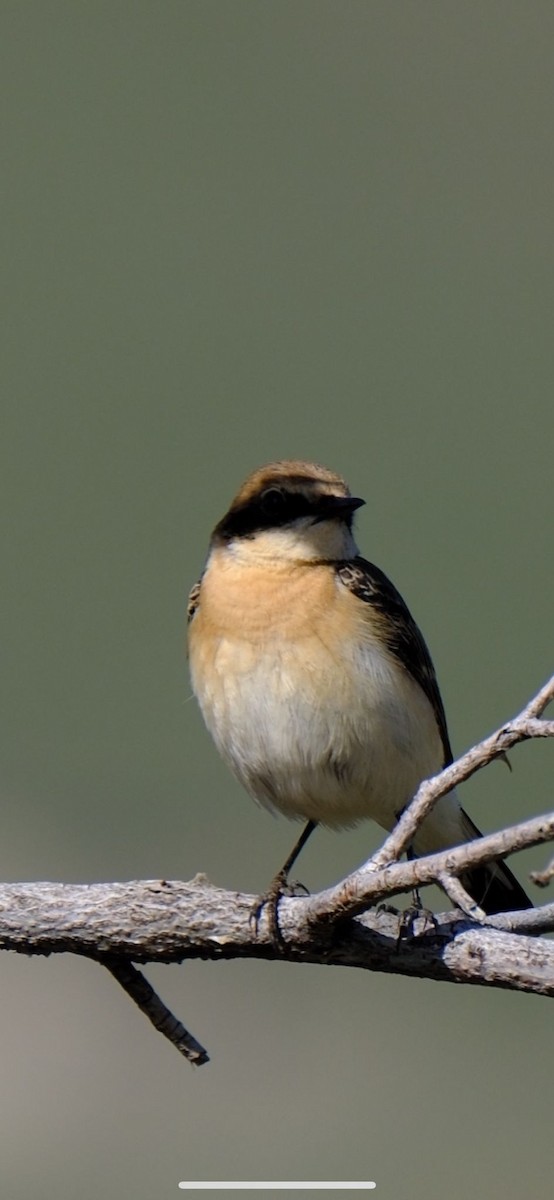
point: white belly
(331, 737)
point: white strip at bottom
(283, 1185)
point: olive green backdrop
(235, 231)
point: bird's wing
(193, 600)
(399, 631)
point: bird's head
(290, 511)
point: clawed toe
(415, 911)
(271, 900)
(296, 888)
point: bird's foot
(390, 909)
(414, 912)
(297, 888)
(270, 900)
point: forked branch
(120, 924)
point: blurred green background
(235, 231)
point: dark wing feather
(193, 600)
(400, 632)
(493, 886)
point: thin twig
(531, 921)
(368, 886)
(141, 991)
(365, 885)
(461, 899)
(543, 878)
(520, 729)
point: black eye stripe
(283, 500)
(271, 509)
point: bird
(313, 678)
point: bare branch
(171, 922)
(369, 885)
(143, 994)
(520, 729)
(156, 921)
(537, 705)
(543, 878)
(461, 899)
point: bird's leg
(416, 908)
(277, 887)
(410, 855)
(416, 898)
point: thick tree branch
(170, 922)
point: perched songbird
(312, 676)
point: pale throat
(303, 541)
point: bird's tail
(492, 886)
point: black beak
(337, 506)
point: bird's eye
(272, 501)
